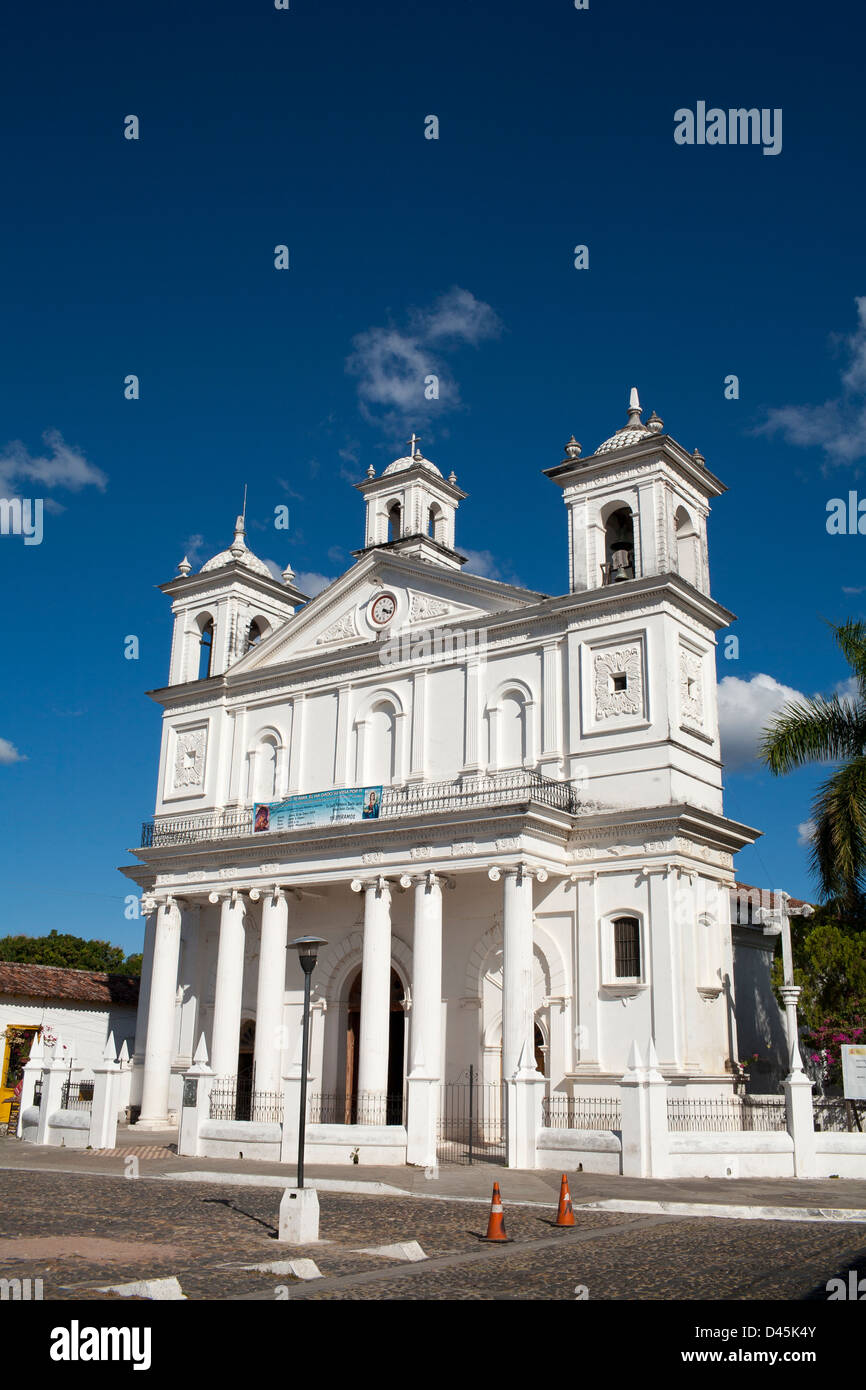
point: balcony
(505, 789)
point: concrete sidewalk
(818, 1199)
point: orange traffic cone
(565, 1214)
(496, 1224)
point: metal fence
(337, 1108)
(581, 1112)
(733, 1113)
(76, 1095)
(473, 1121)
(497, 789)
(234, 1098)
(839, 1115)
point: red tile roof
(58, 983)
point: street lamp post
(307, 948)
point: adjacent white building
(547, 876)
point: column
(524, 1085)
(159, 1043)
(375, 996)
(229, 986)
(419, 698)
(586, 952)
(149, 907)
(473, 761)
(551, 739)
(518, 1034)
(271, 990)
(665, 921)
(426, 1039)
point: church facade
(502, 810)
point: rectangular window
(626, 945)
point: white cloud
(393, 363)
(311, 583)
(805, 832)
(193, 549)
(745, 709)
(64, 467)
(482, 562)
(9, 753)
(457, 315)
(838, 426)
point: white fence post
(195, 1101)
(645, 1148)
(32, 1068)
(103, 1108)
(56, 1071)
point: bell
(621, 565)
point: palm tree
(832, 730)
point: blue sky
(306, 128)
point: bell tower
(224, 610)
(636, 507)
(412, 508)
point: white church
(502, 811)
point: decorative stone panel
(190, 749)
(691, 677)
(617, 681)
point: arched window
(255, 633)
(205, 654)
(263, 770)
(688, 546)
(619, 547)
(380, 759)
(436, 523)
(512, 730)
(626, 948)
(395, 521)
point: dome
(634, 430)
(410, 460)
(400, 465)
(623, 438)
(239, 553)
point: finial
(238, 545)
(288, 574)
(414, 451)
(452, 477)
(698, 457)
(244, 508)
(634, 409)
(655, 424)
(184, 567)
(572, 448)
(371, 472)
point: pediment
(344, 616)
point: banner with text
(319, 808)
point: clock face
(383, 609)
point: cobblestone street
(80, 1231)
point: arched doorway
(396, 1038)
(245, 1080)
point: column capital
(232, 895)
(379, 883)
(519, 871)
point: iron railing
(581, 1112)
(76, 1095)
(369, 1108)
(473, 1121)
(233, 1098)
(838, 1115)
(730, 1113)
(497, 789)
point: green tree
(830, 966)
(73, 952)
(832, 730)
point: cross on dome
(413, 443)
